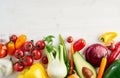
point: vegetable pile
(45, 59)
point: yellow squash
(35, 71)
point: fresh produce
(5, 67)
(10, 48)
(70, 39)
(79, 44)
(35, 71)
(113, 71)
(102, 67)
(108, 37)
(56, 60)
(18, 66)
(13, 38)
(94, 54)
(44, 60)
(18, 53)
(27, 60)
(83, 68)
(71, 52)
(20, 41)
(3, 50)
(36, 54)
(64, 48)
(111, 47)
(56, 63)
(40, 45)
(28, 46)
(114, 54)
(73, 76)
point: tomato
(19, 53)
(13, 38)
(70, 39)
(36, 54)
(3, 51)
(40, 45)
(18, 66)
(28, 46)
(79, 44)
(27, 60)
(45, 60)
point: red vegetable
(3, 51)
(36, 54)
(94, 54)
(114, 54)
(70, 39)
(19, 53)
(28, 46)
(18, 66)
(79, 44)
(27, 60)
(13, 38)
(45, 60)
(40, 45)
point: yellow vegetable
(108, 37)
(35, 71)
(73, 76)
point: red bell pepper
(114, 54)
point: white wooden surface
(80, 18)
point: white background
(79, 18)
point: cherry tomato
(36, 54)
(18, 66)
(3, 51)
(45, 60)
(27, 60)
(79, 44)
(40, 45)
(28, 46)
(19, 53)
(70, 39)
(13, 38)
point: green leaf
(49, 38)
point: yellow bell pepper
(108, 37)
(35, 71)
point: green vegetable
(64, 47)
(113, 71)
(62, 42)
(83, 68)
(56, 64)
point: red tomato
(3, 51)
(28, 46)
(19, 53)
(36, 54)
(70, 39)
(40, 45)
(13, 38)
(27, 60)
(79, 44)
(45, 60)
(18, 66)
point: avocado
(83, 68)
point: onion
(94, 54)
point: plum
(94, 54)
